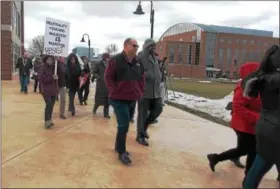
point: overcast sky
(112, 21)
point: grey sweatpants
(62, 100)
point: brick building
(12, 36)
(199, 50)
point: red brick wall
(6, 55)
(6, 39)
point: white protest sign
(56, 40)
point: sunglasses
(135, 46)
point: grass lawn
(214, 90)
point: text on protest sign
(56, 40)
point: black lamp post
(139, 11)
(83, 40)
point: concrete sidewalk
(78, 152)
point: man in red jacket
(124, 77)
(245, 114)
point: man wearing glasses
(150, 105)
(124, 78)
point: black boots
(120, 146)
(213, 160)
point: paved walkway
(78, 152)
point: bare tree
(37, 46)
(112, 49)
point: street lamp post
(139, 11)
(83, 40)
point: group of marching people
(255, 119)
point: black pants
(246, 145)
(36, 84)
(83, 92)
(132, 109)
(50, 100)
(148, 111)
(71, 106)
(105, 108)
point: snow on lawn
(215, 108)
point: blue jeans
(24, 79)
(259, 168)
(122, 109)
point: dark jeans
(259, 168)
(132, 110)
(246, 145)
(71, 106)
(148, 111)
(24, 79)
(36, 84)
(121, 109)
(83, 92)
(105, 108)
(49, 100)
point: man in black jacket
(24, 65)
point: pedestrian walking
(125, 82)
(266, 83)
(245, 114)
(73, 73)
(101, 91)
(84, 89)
(61, 72)
(150, 105)
(49, 86)
(24, 65)
(37, 65)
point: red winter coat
(245, 111)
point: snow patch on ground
(215, 108)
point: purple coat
(49, 86)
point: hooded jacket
(49, 86)
(245, 111)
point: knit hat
(148, 42)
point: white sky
(111, 22)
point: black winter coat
(24, 70)
(73, 75)
(101, 91)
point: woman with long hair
(266, 83)
(73, 74)
(49, 87)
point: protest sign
(56, 40)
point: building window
(222, 40)
(160, 49)
(189, 55)
(244, 42)
(258, 56)
(18, 25)
(228, 55)
(221, 57)
(14, 16)
(237, 41)
(180, 54)
(193, 38)
(252, 42)
(171, 55)
(236, 55)
(229, 41)
(259, 43)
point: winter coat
(101, 91)
(73, 74)
(152, 74)
(86, 70)
(245, 111)
(124, 78)
(37, 66)
(24, 69)
(61, 72)
(49, 86)
(268, 126)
